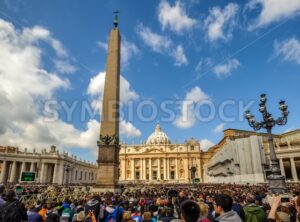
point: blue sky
(199, 52)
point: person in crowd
(190, 211)
(203, 212)
(12, 210)
(274, 215)
(169, 214)
(292, 210)
(223, 208)
(92, 207)
(113, 211)
(209, 201)
(154, 201)
(52, 214)
(179, 200)
(236, 206)
(126, 216)
(67, 213)
(253, 212)
(33, 215)
(78, 212)
(2, 190)
(146, 216)
(43, 211)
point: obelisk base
(108, 169)
(107, 178)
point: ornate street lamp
(276, 181)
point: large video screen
(28, 176)
(197, 180)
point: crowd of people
(153, 203)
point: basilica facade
(159, 160)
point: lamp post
(193, 171)
(276, 181)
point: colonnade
(46, 172)
(284, 167)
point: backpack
(254, 213)
(112, 217)
(90, 217)
(10, 212)
(65, 216)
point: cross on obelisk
(116, 20)
(108, 144)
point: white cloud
(187, 116)
(174, 17)
(219, 128)
(128, 50)
(179, 55)
(25, 85)
(156, 42)
(162, 44)
(272, 11)
(289, 49)
(64, 67)
(205, 144)
(223, 70)
(103, 45)
(128, 129)
(96, 88)
(219, 23)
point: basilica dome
(158, 137)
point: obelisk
(108, 144)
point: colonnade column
(61, 174)
(54, 180)
(187, 170)
(158, 171)
(4, 172)
(176, 169)
(168, 169)
(144, 169)
(165, 169)
(281, 167)
(150, 169)
(13, 172)
(32, 168)
(41, 173)
(123, 169)
(23, 166)
(293, 168)
(132, 169)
